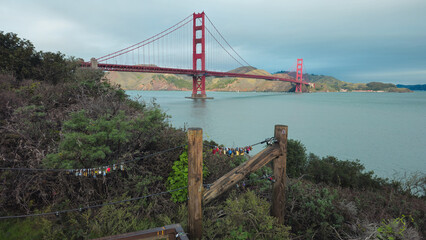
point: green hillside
(323, 83)
(331, 84)
(155, 82)
(327, 83)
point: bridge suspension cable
(223, 47)
(187, 49)
(227, 41)
(152, 40)
(101, 59)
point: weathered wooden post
(278, 194)
(195, 182)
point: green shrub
(245, 217)
(20, 59)
(178, 178)
(87, 142)
(311, 211)
(296, 158)
(393, 229)
(25, 229)
(351, 174)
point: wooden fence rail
(276, 153)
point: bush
(20, 59)
(394, 229)
(244, 217)
(351, 174)
(87, 143)
(311, 211)
(178, 178)
(296, 158)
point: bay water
(385, 131)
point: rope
(93, 206)
(67, 170)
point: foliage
(245, 217)
(311, 211)
(26, 229)
(87, 142)
(351, 174)
(20, 59)
(296, 158)
(72, 117)
(414, 183)
(177, 81)
(54, 68)
(331, 84)
(178, 178)
(18, 56)
(393, 229)
(376, 86)
(222, 83)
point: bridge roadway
(190, 72)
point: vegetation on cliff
(331, 84)
(147, 81)
(74, 118)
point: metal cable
(92, 206)
(227, 41)
(67, 170)
(267, 140)
(99, 59)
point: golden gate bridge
(193, 47)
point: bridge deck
(154, 69)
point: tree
(54, 68)
(18, 56)
(20, 59)
(376, 86)
(296, 158)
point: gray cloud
(356, 41)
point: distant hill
(418, 87)
(244, 69)
(331, 84)
(156, 82)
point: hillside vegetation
(73, 118)
(156, 82)
(159, 82)
(331, 84)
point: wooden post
(278, 194)
(195, 182)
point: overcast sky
(352, 40)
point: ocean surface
(385, 131)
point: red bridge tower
(299, 75)
(199, 57)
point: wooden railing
(197, 195)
